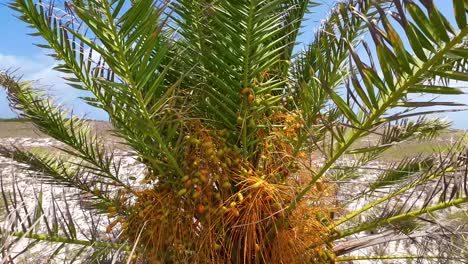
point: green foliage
(226, 118)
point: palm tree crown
(242, 137)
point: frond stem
(389, 196)
(401, 217)
(60, 239)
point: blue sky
(18, 52)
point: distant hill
(22, 128)
(16, 127)
(13, 120)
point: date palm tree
(242, 137)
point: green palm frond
(251, 151)
(112, 76)
(51, 119)
(393, 135)
(52, 222)
(411, 209)
(376, 95)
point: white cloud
(40, 68)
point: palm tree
(243, 137)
